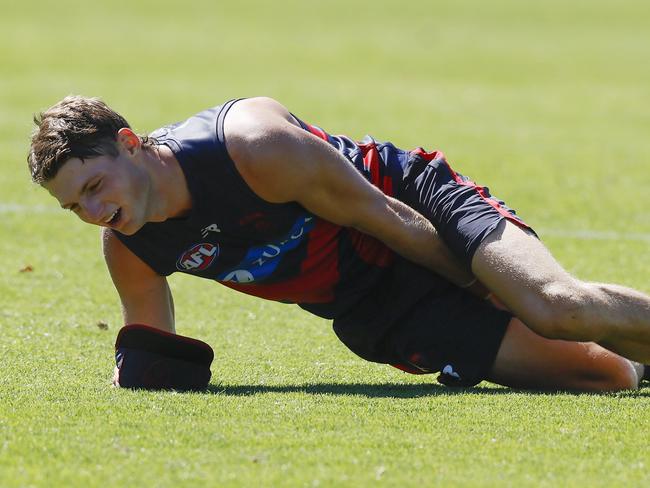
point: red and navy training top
(275, 251)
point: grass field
(547, 102)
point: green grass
(546, 102)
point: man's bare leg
(521, 272)
(528, 360)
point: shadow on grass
(392, 390)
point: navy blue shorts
(462, 212)
(446, 329)
(417, 321)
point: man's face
(105, 191)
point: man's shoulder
(203, 121)
(255, 126)
(255, 116)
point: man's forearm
(425, 247)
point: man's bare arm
(154, 356)
(144, 294)
(282, 162)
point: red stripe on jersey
(388, 186)
(319, 272)
(321, 266)
(430, 156)
(317, 131)
(371, 250)
(372, 163)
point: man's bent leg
(519, 270)
(527, 360)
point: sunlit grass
(545, 102)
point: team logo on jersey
(261, 261)
(198, 257)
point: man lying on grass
(417, 266)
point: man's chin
(127, 228)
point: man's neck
(169, 185)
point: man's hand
(150, 358)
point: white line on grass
(580, 234)
(595, 235)
(19, 208)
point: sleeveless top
(275, 251)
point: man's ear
(129, 140)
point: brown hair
(76, 127)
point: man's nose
(92, 210)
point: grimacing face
(105, 191)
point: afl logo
(198, 258)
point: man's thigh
(514, 265)
(501, 250)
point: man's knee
(564, 310)
(613, 373)
(624, 377)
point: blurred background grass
(537, 99)
(547, 103)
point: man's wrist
(475, 287)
